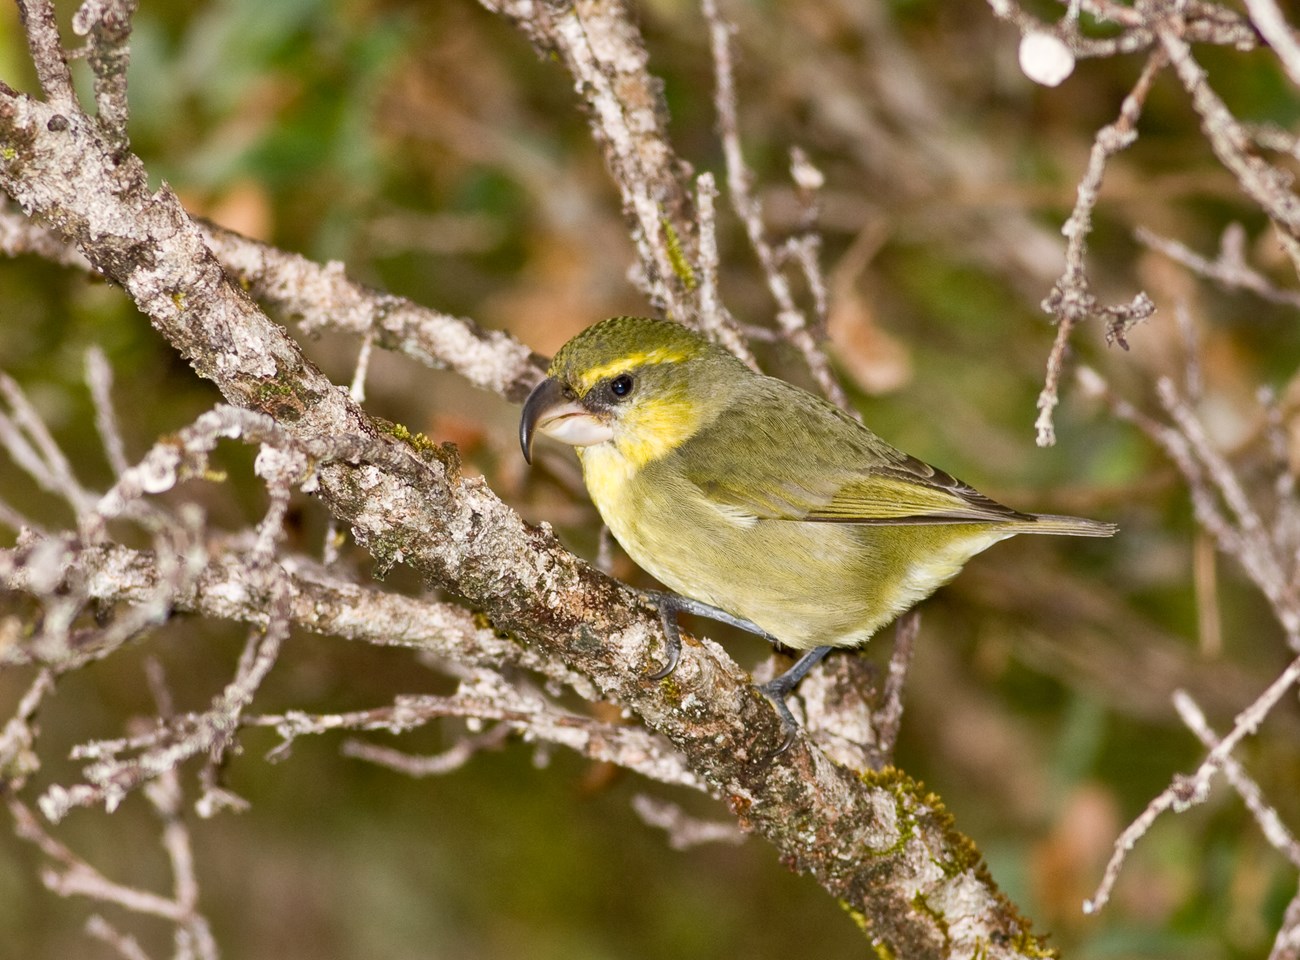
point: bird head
(644, 385)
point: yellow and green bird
(754, 501)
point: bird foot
(671, 605)
(779, 688)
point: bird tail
(1066, 526)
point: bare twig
(78, 878)
(1270, 823)
(1267, 185)
(683, 830)
(14, 520)
(1286, 945)
(19, 236)
(103, 931)
(714, 318)
(451, 759)
(30, 443)
(1185, 791)
(1072, 300)
(99, 377)
(794, 325)
(42, 30)
(1250, 542)
(1228, 269)
(1278, 33)
(194, 938)
(606, 56)
(324, 297)
(1203, 23)
(110, 779)
(889, 716)
(18, 760)
(806, 247)
(357, 391)
(1212, 485)
(491, 699)
(107, 26)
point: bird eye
(621, 386)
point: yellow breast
(644, 434)
(607, 473)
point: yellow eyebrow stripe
(632, 361)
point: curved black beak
(545, 396)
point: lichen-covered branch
(325, 298)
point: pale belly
(808, 584)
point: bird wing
(782, 454)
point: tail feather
(1066, 526)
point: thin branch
(889, 716)
(1270, 823)
(1186, 791)
(1175, 445)
(1286, 945)
(357, 391)
(1229, 269)
(1278, 34)
(107, 26)
(18, 760)
(99, 377)
(715, 320)
(791, 320)
(14, 520)
(491, 699)
(1251, 543)
(1267, 185)
(19, 236)
(1203, 23)
(602, 49)
(683, 830)
(126, 946)
(194, 938)
(78, 878)
(438, 765)
(1072, 300)
(110, 779)
(324, 297)
(32, 446)
(806, 247)
(42, 30)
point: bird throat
(643, 435)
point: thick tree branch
(317, 601)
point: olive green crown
(627, 343)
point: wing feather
(840, 472)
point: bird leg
(672, 604)
(778, 688)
